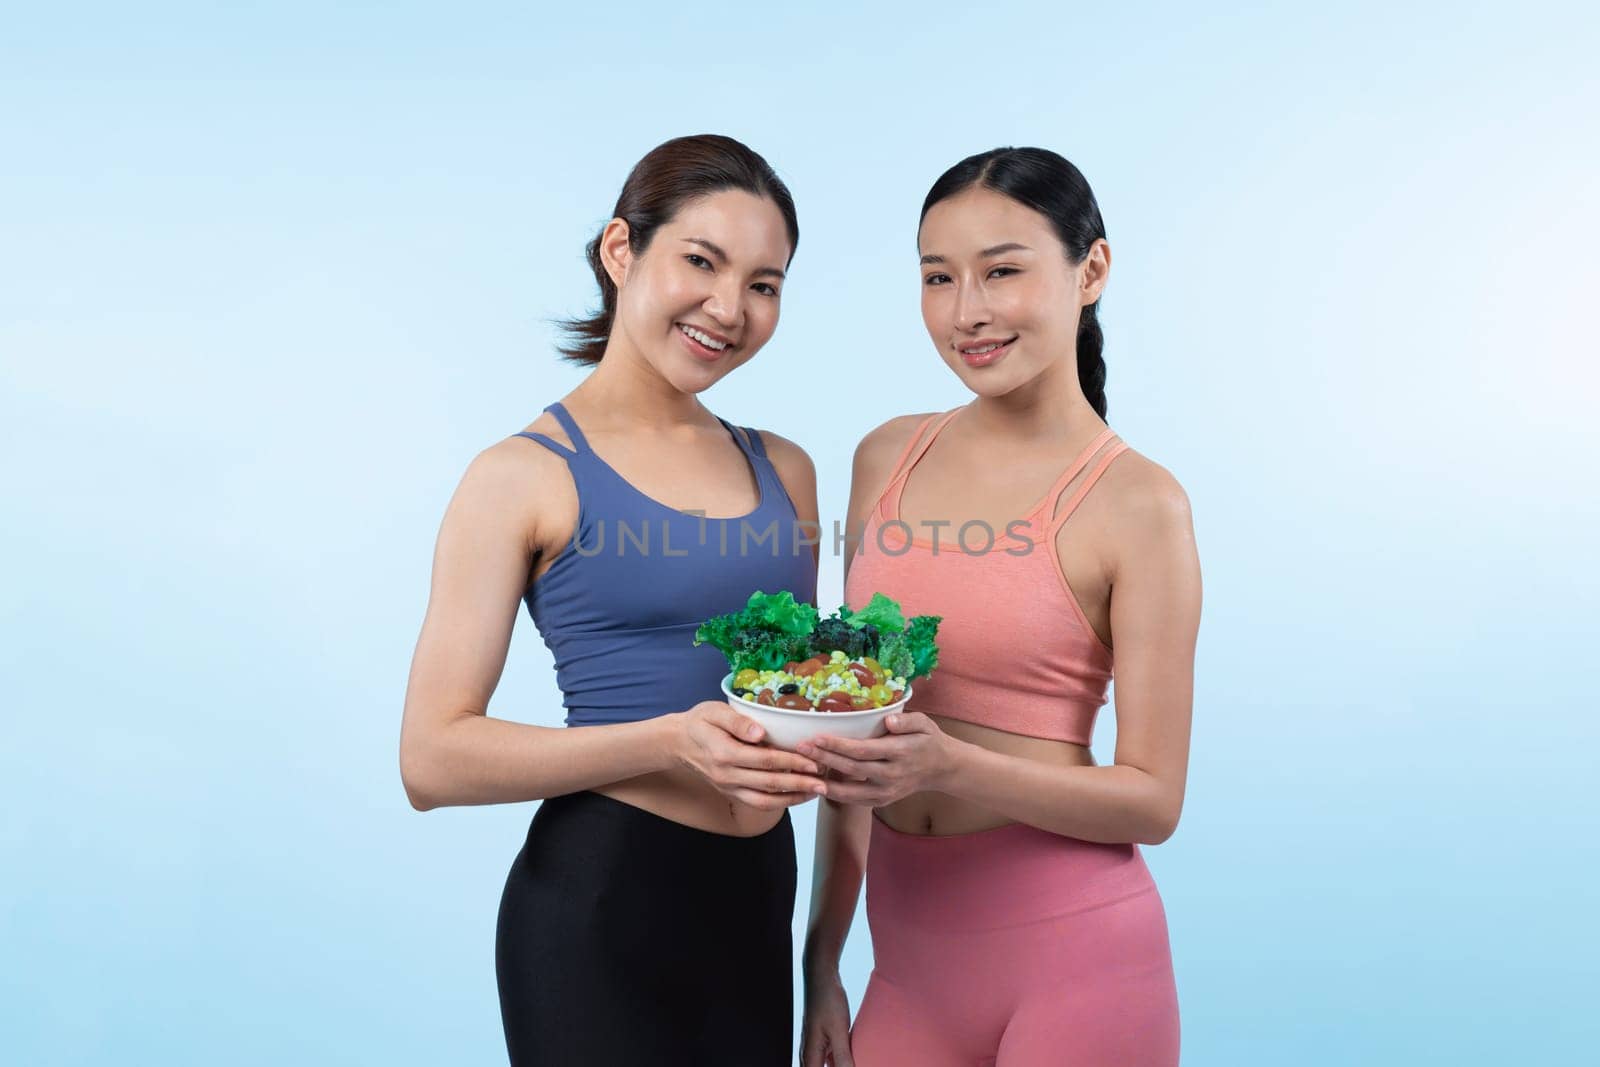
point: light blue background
(269, 280)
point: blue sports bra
(619, 606)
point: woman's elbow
(420, 801)
(415, 776)
(1162, 825)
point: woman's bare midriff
(684, 797)
(939, 814)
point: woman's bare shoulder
(516, 460)
(1145, 501)
(883, 443)
(521, 483)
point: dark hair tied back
(1046, 182)
(660, 184)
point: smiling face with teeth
(1000, 296)
(703, 296)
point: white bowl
(786, 728)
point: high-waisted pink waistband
(993, 879)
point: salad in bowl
(801, 676)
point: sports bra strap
(914, 451)
(910, 458)
(1116, 449)
(748, 440)
(548, 442)
(579, 442)
(900, 460)
(756, 444)
(1074, 469)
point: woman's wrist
(667, 740)
(950, 764)
(819, 955)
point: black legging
(631, 940)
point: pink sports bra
(1015, 650)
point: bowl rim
(727, 688)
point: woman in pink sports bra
(1014, 922)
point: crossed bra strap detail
(569, 425)
(921, 441)
(912, 455)
(1117, 448)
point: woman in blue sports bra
(646, 919)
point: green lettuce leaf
(880, 611)
(722, 631)
(769, 631)
(920, 636)
(780, 612)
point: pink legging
(1014, 947)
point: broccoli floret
(895, 656)
(835, 635)
(764, 650)
(912, 654)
